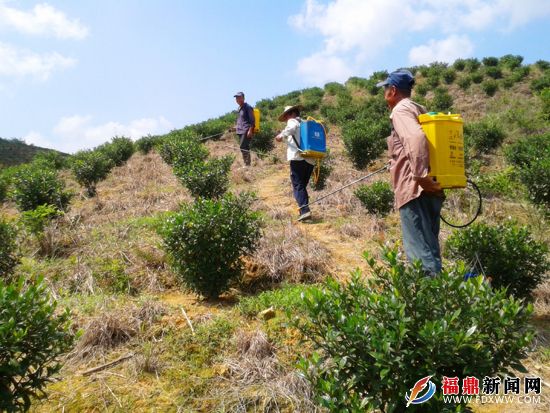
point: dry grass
(109, 330)
(288, 253)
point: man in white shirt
(300, 168)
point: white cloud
(20, 63)
(77, 132)
(320, 68)
(359, 30)
(446, 50)
(43, 19)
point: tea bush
(507, 252)
(206, 179)
(377, 198)
(311, 98)
(33, 186)
(119, 150)
(182, 148)
(33, 336)
(90, 167)
(207, 239)
(422, 89)
(472, 64)
(9, 256)
(528, 150)
(365, 141)
(490, 87)
(4, 184)
(374, 337)
(477, 77)
(490, 61)
(145, 144)
(542, 64)
(520, 73)
(333, 88)
(510, 61)
(545, 113)
(449, 76)
(483, 136)
(536, 177)
(262, 141)
(459, 64)
(442, 101)
(493, 72)
(464, 82)
(51, 159)
(541, 83)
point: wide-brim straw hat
(288, 109)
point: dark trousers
(420, 220)
(300, 172)
(245, 147)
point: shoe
(305, 216)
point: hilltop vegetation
(257, 312)
(15, 152)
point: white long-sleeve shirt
(291, 130)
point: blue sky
(75, 73)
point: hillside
(107, 262)
(15, 152)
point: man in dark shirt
(245, 126)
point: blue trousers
(300, 172)
(420, 219)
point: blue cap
(401, 79)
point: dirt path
(345, 252)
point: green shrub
(477, 77)
(145, 144)
(472, 64)
(536, 177)
(464, 82)
(507, 253)
(544, 97)
(541, 83)
(9, 256)
(365, 141)
(510, 61)
(449, 76)
(422, 89)
(502, 184)
(119, 150)
(33, 336)
(311, 98)
(36, 220)
(493, 72)
(374, 337)
(262, 141)
(324, 172)
(542, 64)
(490, 87)
(207, 239)
(490, 61)
(459, 64)
(433, 81)
(206, 179)
(33, 186)
(212, 126)
(520, 73)
(508, 82)
(334, 88)
(51, 159)
(442, 101)
(4, 185)
(528, 150)
(484, 135)
(182, 148)
(90, 167)
(376, 198)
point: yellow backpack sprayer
(446, 146)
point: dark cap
(401, 79)
(239, 94)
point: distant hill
(16, 151)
